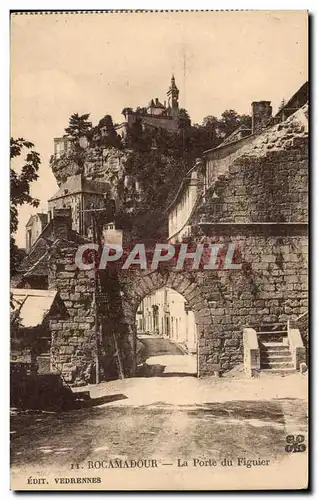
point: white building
(34, 228)
(183, 206)
(166, 313)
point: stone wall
(290, 135)
(78, 337)
(271, 287)
(73, 337)
(218, 160)
(258, 202)
(269, 188)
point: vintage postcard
(159, 315)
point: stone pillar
(261, 114)
(62, 222)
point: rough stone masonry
(260, 202)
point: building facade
(34, 228)
(166, 313)
(156, 114)
(82, 197)
(180, 210)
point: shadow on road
(89, 403)
(67, 404)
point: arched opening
(166, 335)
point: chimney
(156, 101)
(261, 115)
(62, 223)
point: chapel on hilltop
(155, 114)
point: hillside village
(146, 179)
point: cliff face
(64, 167)
(106, 165)
(141, 183)
(99, 164)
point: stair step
(274, 346)
(270, 371)
(275, 352)
(277, 357)
(276, 364)
(271, 332)
(268, 325)
(277, 345)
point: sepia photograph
(159, 250)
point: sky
(100, 63)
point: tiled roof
(242, 130)
(29, 223)
(32, 305)
(76, 184)
(42, 216)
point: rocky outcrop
(64, 167)
(106, 165)
(98, 164)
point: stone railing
(252, 359)
(179, 222)
(218, 160)
(296, 347)
(302, 324)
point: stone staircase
(272, 348)
(275, 354)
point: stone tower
(173, 97)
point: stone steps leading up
(276, 357)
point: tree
(126, 111)
(108, 136)
(229, 122)
(78, 126)
(216, 129)
(20, 190)
(210, 121)
(246, 120)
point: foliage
(184, 118)
(160, 159)
(146, 208)
(78, 126)
(230, 120)
(125, 111)
(20, 190)
(105, 134)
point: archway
(139, 284)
